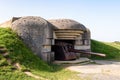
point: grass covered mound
(111, 49)
(19, 53)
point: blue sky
(102, 17)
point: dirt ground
(99, 70)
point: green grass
(111, 49)
(18, 52)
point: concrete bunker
(70, 32)
(41, 35)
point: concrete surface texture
(80, 60)
(34, 31)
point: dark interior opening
(65, 41)
(60, 50)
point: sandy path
(102, 70)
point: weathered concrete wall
(35, 32)
(67, 24)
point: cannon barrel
(87, 52)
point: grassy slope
(111, 49)
(23, 55)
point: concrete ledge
(80, 60)
(82, 47)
